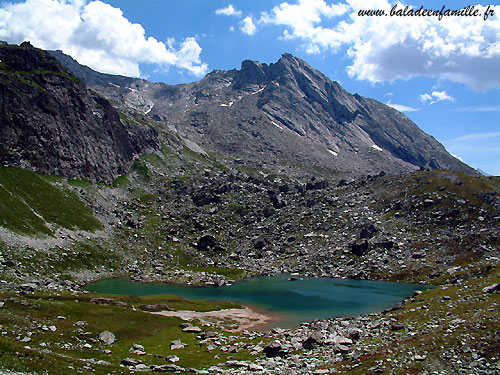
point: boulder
(360, 247)
(192, 329)
(167, 368)
(313, 341)
(138, 349)
(277, 201)
(206, 242)
(28, 287)
(203, 198)
(259, 243)
(107, 337)
(130, 362)
(177, 344)
(316, 185)
(339, 348)
(495, 288)
(274, 349)
(368, 231)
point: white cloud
(401, 107)
(301, 21)
(461, 49)
(425, 97)
(247, 26)
(475, 136)
(442, 95)
(230, 10)
(488, 108)
(96, 34)
(436, 96)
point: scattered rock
(368, 231)
(259, 243)
(107, 337)
(172, 358)
(494, 288)
(207, 242)
(274, 349)
(177, 344)
(192, 329)
(360, 247)
(130, 362)
(138, 349)
(313, 341)
(419, 358)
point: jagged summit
(282, 114)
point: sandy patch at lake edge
(244, 318)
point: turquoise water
(306, 299)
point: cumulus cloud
(436, 96)
(302, 21)
(247, 26)
(386, 48)
(96, 34)
(401, 107)
(230, 10)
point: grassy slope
(28, 202)
(63, 351)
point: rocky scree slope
(285, 113)
(51, 124)
(203, 218)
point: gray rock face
(284, 111)
(50, 123)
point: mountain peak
(285, 109)
(288, 58)
(255, 72)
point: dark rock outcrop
(207, 242)
(51, 123)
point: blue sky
(443, 74)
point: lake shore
(233, 320)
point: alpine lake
(293, 300)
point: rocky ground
(186, 213)
(212, 220)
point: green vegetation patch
(141, 169)
(28, 202)
(120, 181)
(230, 273)
(60, 334)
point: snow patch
(333, 152)
(259, 90)
(112, 84)
(278, 126)
(227, 105)
(374, 146)
(149, 110)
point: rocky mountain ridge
(281, 115)
(51, 124)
